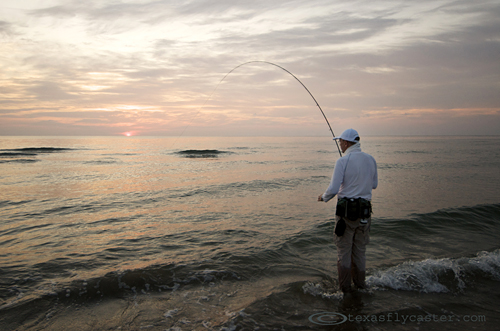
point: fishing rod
(312, 96)
(278, 66)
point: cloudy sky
(155, 67)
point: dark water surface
(226, 234)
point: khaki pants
(351, 250)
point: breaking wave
(438, 275)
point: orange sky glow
(151, 68)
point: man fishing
(354, 177)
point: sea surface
(192, 233)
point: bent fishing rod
(278, 66)
(312, 96)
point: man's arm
(375, 175)
(334, 187)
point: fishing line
(278, 66)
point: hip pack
(354, 208)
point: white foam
(231, 327)
(420, 276)
(171, 313)
(488, 262)
(431, 275)
(318, 290)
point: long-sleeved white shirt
(354, 176)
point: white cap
(349, 135)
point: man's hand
(320, 198)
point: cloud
(49, 91)
(154, 64)
(6, 28)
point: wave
(202, 153)
(470, 220)
(412, 152)
(19, 161)
(438, 275)
(300, 253)
(460, 230)
(120, 283)
(238, 188)
(102, 161)
(478, 217)
(27, 154)
(34, 150)
(444, 275)
(232, 264)
(12, 154)
(400, 166)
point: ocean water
(190, 233)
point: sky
(154, 68)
